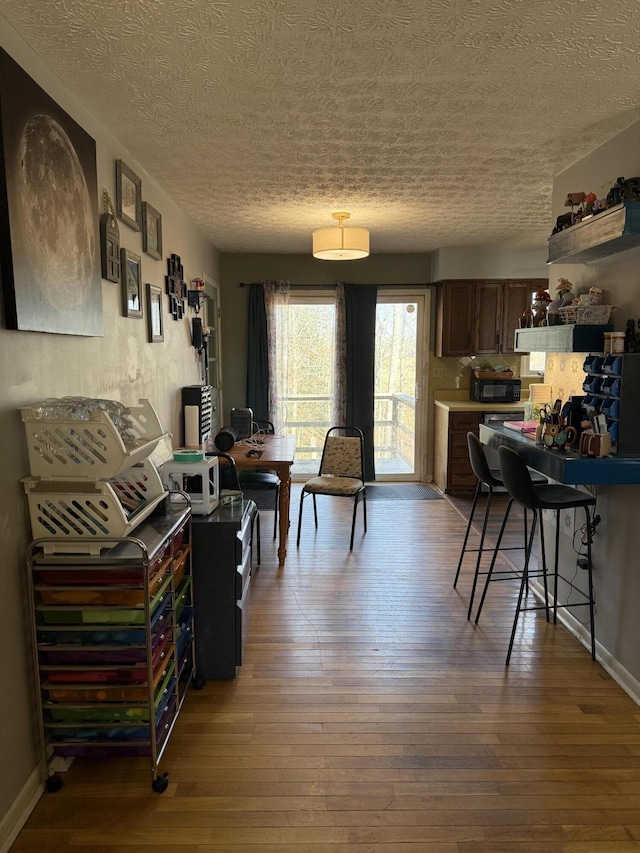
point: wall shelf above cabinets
(607, 233)
(569, 338)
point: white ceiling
(434, 122)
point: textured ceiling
(434, 122)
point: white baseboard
(609, 663)
(20, 809)
(620, 675)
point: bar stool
(556, 497)
(492, 479)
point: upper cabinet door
(454, 318)
(516, 298)
(488, 312)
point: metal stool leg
(480, 550)
(493, 559)
(524, 583)
(466, 535)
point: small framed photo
(154, 314)
(151, 231)
(131, 278)
(128, 196)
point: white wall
(460, 262)
(121, 365)
(617, 580)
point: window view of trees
(310, 379)
(310, 382)
(395, 384)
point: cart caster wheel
(160, 783)
(53, 784)
(199, 682)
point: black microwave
(495, 390)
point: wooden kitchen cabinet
(480, 316)
(452, 469)
(455, 305)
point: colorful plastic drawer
(77, 694)
(90, 637)
(161, 651)
(162, 729)
(97, 615)
(185, 631)
(96, 714)
(105, 675)
(92, 657)
(97, 734)
(83, 576)
(179, 537)
(180, 564)
(183, 597)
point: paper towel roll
(539, 392)
(192, 426)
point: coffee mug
(595, 444)
(557, 437)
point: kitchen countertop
(458, 401)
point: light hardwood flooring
(371, 717)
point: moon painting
(49, 258)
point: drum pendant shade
(340, 243)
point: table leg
(283, 509)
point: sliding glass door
(400, 332)
(398, 383)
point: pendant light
(340, 244)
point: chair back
(479, 463)
(227, 471)
(517, 479)
(343, 453)
(265, 427)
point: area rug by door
(405, 492)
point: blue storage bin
(593, 364)
(612, 365)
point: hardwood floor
(370, 716)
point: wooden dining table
(277, 455)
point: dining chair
(341, 474)
(263, 481)
(230, 481)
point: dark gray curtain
(360, 310)
(257, 355)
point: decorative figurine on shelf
(564, 295)
(630, 340)
(625, 189)
(589, 200)
(540, 303)
(526, 321)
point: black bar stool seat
(551, 496)
(492, 479)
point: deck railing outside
(309, 417)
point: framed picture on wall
(151, 231)
(128, 196)
(154, 314)
(131, 278)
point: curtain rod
(414, 284)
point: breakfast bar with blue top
(615, 480)
(565, 466)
